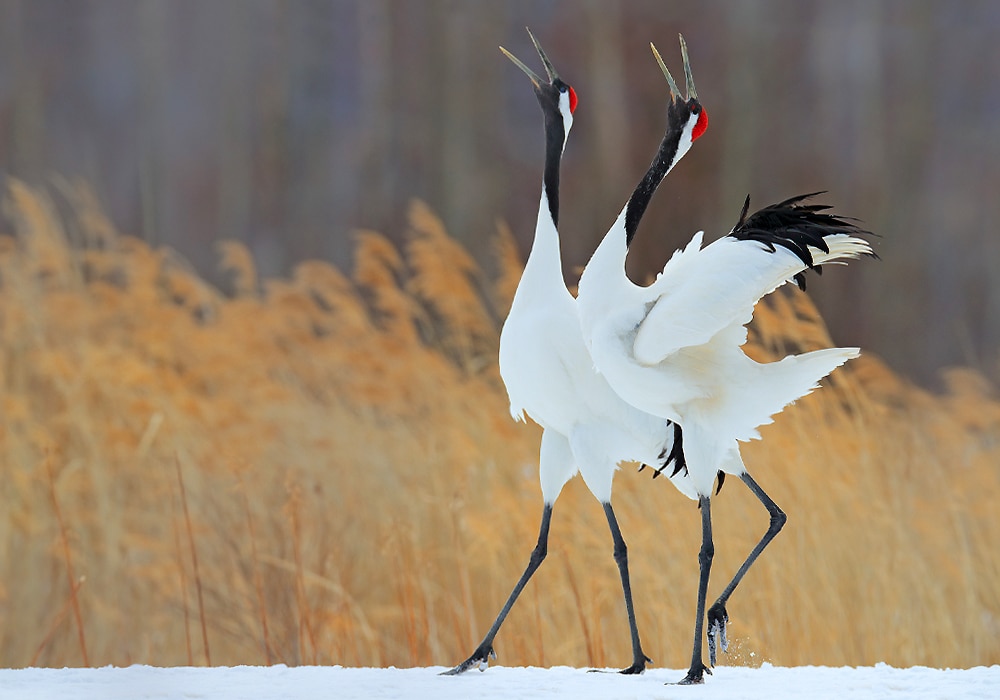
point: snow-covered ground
(336, 683)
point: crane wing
(716, 289)
(702, 292)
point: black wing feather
(676, 454)
(794, 225)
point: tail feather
(779, 384)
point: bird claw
(696, 676)
(480, 659)
(717, 639)
(638, 667)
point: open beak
(530, 73)
(692, 93)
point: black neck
(643, 192)
(555, 138)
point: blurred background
(267, 424)
(289, 125)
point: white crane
(673, 349)
(587, 427)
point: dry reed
(357, 493)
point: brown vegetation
(322, 469)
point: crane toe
(717, 639)
(638, 667)
(480, 659)
(696, 676)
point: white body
(673, 349)
(551, 377)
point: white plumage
(673, 349)
(550, 377)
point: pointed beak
(549, 69)
(545, 59)
(535, 80)
(692, 93)
(674, 92)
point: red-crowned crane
(673, 349)
(587, 427)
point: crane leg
(696, 674)
(639, 659)
(717, 615)
(480, 658)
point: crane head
(683, 111)
(556, 97)
(686, 122)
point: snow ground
(337, 683)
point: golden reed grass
(322, 469)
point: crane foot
(637, 667)
(717, 639)
(480, 659)
(696, 676)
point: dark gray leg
(717, 615)
(696, 674)
(480, 657)
(639, 659)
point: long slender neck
(667, 155)
(543, 270)
(555, 140)
(608, 262)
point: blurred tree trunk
(610, 118)
(271, 170)
(154, 182)
(26, 134)
(379, 173)
(741, 130)
(847, 60)
(235, 182)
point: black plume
(675, 455)
(793, 225)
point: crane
(550, 377)
(673, 349)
